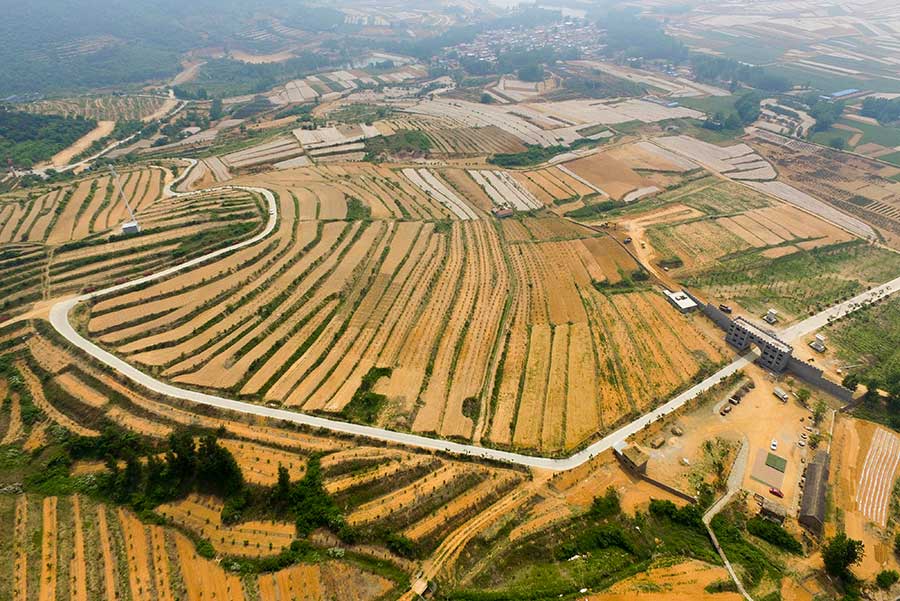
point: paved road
(735, 478)
(59, 319)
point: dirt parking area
(759, 419)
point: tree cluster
(145, 482)
(27, 138)
(307, 502)
(883, 109)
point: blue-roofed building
(845, 93)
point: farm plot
(448, 137)
(799, 282)
(269, 152)
(568, 367)
(204, 579)
(324, 191)
(859, 189)
(650, 157)
(75, 211)
(252, 538)
(804, 201)
(316, 308)
(877, 477)
(260, 463)
(615, 178)
(101, 108)
(146, 562)
(739, 161)
(94, 551)
(319, 582)
(126, 406)
(434, 188)
(480, 115)
(334, 137)
(504, 191)
(587, 112)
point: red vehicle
(776, 492)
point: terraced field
(67, 238)
(90, 550)
(104, 108)
(86, 546)
(398, 286)
(447, 137)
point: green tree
(217, 470)
(838, 143)
(851, 381)
(533, 72)
(819, 411)
(803, 396)
(733, 122)
(841, 553)
(181, 458)
(486, 98)
(886, 579)
(281, 494)
(606, 506)
(215, 110)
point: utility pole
(129, 227)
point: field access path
(59, 319)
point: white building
(680, 300)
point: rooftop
(635, 455)
(759, 332)
(812, 504)
(680, 299)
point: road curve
(59, 319)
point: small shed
(131, 227)
(681, 301)
(773, 511)
(632, 456)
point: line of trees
(715, 68)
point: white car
(774, 445)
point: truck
(781, 395)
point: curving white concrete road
(59, 318)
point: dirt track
(62, 158)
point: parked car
(774, 445)
(801, 444)
(734, 401)
(725, 410)
(724, 308)
(776, 492)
